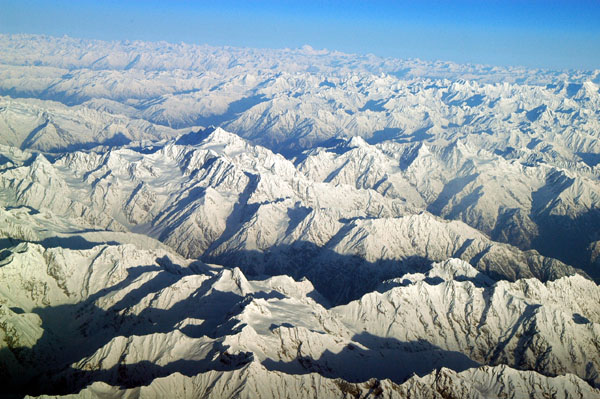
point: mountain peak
(357, 141)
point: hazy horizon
(554, 35)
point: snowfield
(202, 222)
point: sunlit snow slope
(201, 222)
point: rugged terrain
(350, 226)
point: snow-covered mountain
(214, 195)
(542, 205)
(51, 126)
(76, 312)
(122, 308)
(349, 226)
(294, 99)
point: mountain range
(196, 221)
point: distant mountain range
(191, 221)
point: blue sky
(551, 34)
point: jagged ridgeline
(349, 226)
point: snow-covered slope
(213, 195)
(526, 324)
(254, 381)
(72, 53)
(290, 99)
(349, 226)
(548, 207)
(51, 126)
(512, 152)
(124, 316)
